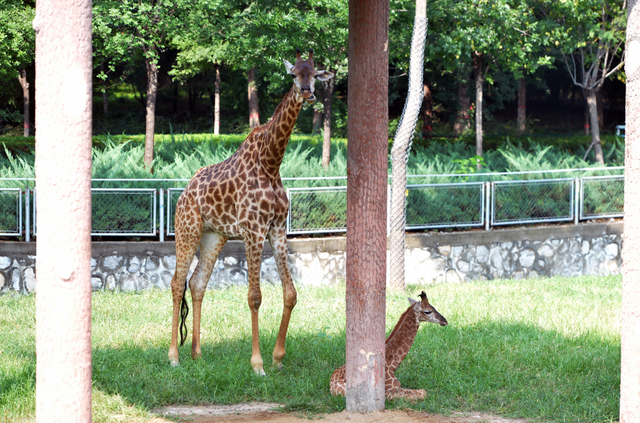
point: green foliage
(503, 352)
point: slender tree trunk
(63, 176)
(630, 327)
(105, 97)
(252, 92)
(318, 116)
(595, 130)
(367, 155)
(327, 91)
(25, 98)
(152, 93)
(587, 118)
(479, 80)
(216, 107)
(600, 107)
(427, 115)
(522, 106)
(464, 103)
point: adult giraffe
(242, 197)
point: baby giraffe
(397, 346)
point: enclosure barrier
(146, 207)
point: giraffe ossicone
(241, 197)
(397, 346)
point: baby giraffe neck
(401, 339)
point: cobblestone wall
(590, 249)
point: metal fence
(322, 209)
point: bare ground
(264, 412)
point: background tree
(146, 26)
(589, 36)
(17, 48)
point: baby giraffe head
(425, 311)
(304, 77)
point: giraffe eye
(427, 312)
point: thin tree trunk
(152, 93)
(318, 116)
(252, 92)
(216, 106)
(63, 176)
(479, 80)
(600, 107)
(367, 157)
(522, 106)
(427, 115)
(586, 115)
(327, 91)
(105, 97)
(630, 327)
(595, 130)
(464, 103)
(22, 77)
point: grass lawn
(546, 349)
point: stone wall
(587, 249)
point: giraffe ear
(324, 75)
(412, 302)
(288, 66)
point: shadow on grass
(514, 370)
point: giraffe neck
(400, 340)
(277, 132)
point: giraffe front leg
(254, 297)
(278, 241)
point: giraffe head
(425, 311)
(304, 76)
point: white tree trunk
(216, 107)
(63, 177)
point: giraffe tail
(184, 312)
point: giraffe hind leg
(338, 382)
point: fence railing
(149, 211)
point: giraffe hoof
(174, 363)
(259, 371)
(277, 365)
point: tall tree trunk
(367, 155)
(427, 114)
(595, 129)
(63, 176)
(479, 80)
(600, 107)
(522, 106)
(587, 118)
(152, 93)
(105, 97)
(464, 103)
(22, 77)
(630, 327)
(252, 92)
(216, 106)
(327, 91)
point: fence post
(161, 214)
(27, 235)
(577, 196)
(487, 206)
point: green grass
(544, 349)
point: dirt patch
(264, 412)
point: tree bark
(587, 119)
(327, 91)
(22, 77)
(427, 115)
(464, 103)
(105, 97)
(252, 92)
(152, 93)
(595, 130)
(630, 327)
(479, 80)
(600, 107)
(63, 177)
(367, 155)
(216, 106)
(522, 106)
